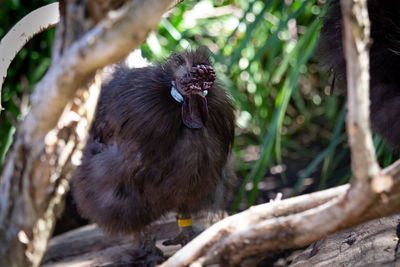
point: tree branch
(356, 42)
(97, 48)
(35, 22)
(280, 225)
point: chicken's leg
(186, 232)
(145, 252)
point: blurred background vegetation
(290, 135)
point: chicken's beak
(198, 93)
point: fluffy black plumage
(384, 62)
(142, 161)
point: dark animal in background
(161, 142)
(384, 62)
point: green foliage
(263, 52)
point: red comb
(200, 77)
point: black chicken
(161, 141)
(384, 62)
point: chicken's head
(191, 88)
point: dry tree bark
(48, 143)
(374, 243)
(300, 221)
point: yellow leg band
(185, 222)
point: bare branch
(97, 48)
(279, 225)
(356, 43)
(35, 22)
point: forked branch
(305, 219)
